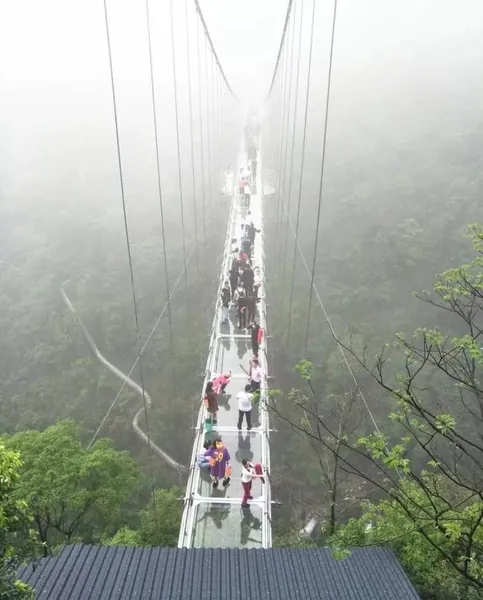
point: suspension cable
(160, 193)
(200, 109)
(283, 93)
(282, 41)
(208, 37)
(287, 128)
(284, 260)
(128, 246)
(180, 179)
(332, 330)
(220, 123)
(192, 152)
(208, 135)
(145, 345)
(322, 170)
(302, 165)
(216, 157)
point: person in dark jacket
(234, 275)
(251, 231)
(254, 329)
(241, 310)
(248, 277)
(251, 307)
(225, 301)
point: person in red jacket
(242, 259)
(257, 336)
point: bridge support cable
(212, 48)
(200, 117)
(178, 148)
(192, 151)
(280, 152)
(160, 191)
(212, 517)
(287, 131)
(332, 330)
(292, 149)
(208, 134)
(322, 172)
(128, 249)
(281, 47)
(126, 379)
(302, 165)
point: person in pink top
(220, 382)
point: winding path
(126, 379)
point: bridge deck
(214, 517)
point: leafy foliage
(72, 493)
(421, 542)
(14, 523)
(426, 470)
(161, 520)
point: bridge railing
(195, 502)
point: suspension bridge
(214, 517)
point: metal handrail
(192, 498)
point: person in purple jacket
(219, 458)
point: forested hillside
(378, 432)
(402, 182)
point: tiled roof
(82, 572)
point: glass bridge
(214, 518)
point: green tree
(161, 520)
(423, 556)
(14, 522)
(72, 492)
(124, 537)
(427, 468)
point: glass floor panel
(232, 325)
(240, 445)
(228, 406)
(227, 526)
(231, 353)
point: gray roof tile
(82, 572)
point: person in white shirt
(256, 374)
(245, 407)
(248, 472)
(247, 196)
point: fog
(403, 179)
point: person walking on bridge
(245, 407)
(248, 473)
(242, 183)
(241, 309)
(248, 277)
(219, 458)
(251, 231)
(251, 307)
(211, 401)
(256, 375)
(257, 336)
(225, 302)
(247, 196)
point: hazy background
(403, 179)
